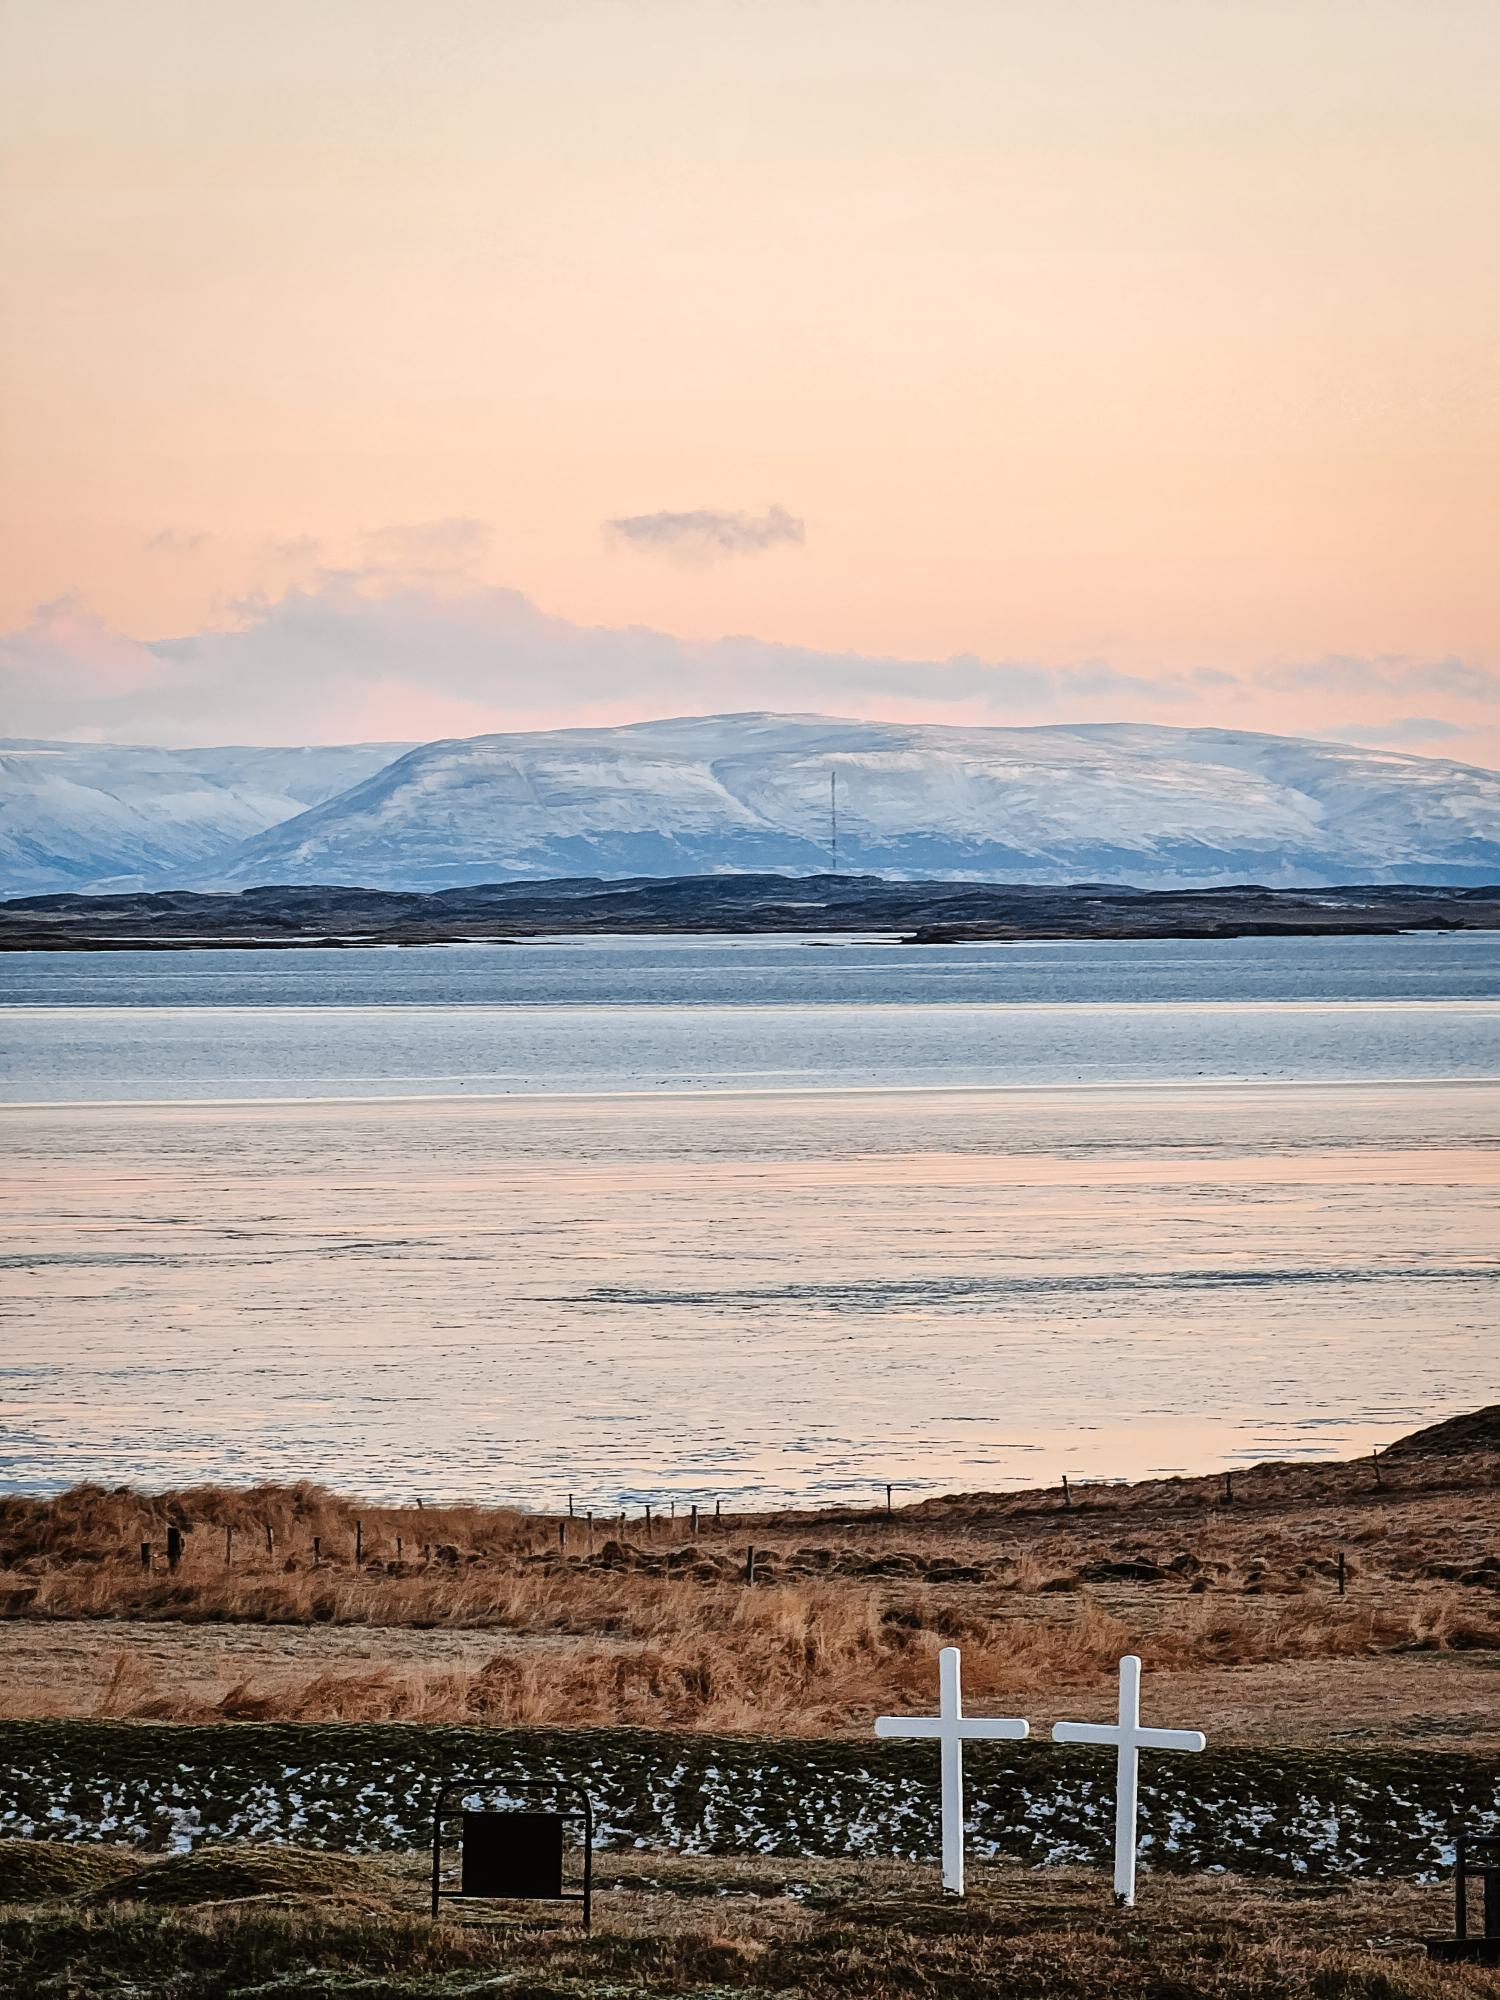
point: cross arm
(995, 1725)
(908, 1725)
(1171, 1739)
(1085, 1732)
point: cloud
(1387, 674)
(176, 541)
(705, 534)
(407, 649)
(295, 551)
(1401, 729)
(351, 655)
(424, 548)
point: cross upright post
(1130, 1739)
(950, 1726)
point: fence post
(750, 1565)
(1067, 1495)
(145, 1555)
(228, 1547)
(174, 1547)
(1375, 1460)
(317, 1549)
(888, 1502)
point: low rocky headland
(915, 912)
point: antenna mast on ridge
(833, 818)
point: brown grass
(846, 1615)
(794, 1661)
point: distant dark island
(913, 912)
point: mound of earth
(229, 1874)
(1478, 1430)
(36, 1871)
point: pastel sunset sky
(383, 369)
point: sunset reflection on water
(799, 1296)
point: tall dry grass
(791, 1659)
(841, 1621)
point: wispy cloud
(294, 551)
(456, 545)
(1387, 674)
(1400, 731)
(704, 534)
(176, 541)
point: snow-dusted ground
(1125, 804)
(1120, 803)
(373, 1788)
(73, 814)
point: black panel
(512, 1854)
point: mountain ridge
(1126, 803)
(78, 815)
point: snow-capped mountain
(76, 815)
(1123, 803)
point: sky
(374, 369)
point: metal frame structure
(1488, 1872)
(1462, 1944)
(456, 1789)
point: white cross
(950, 1729)
(1128, 1734)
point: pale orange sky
(1153, 333)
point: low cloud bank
(410, 645)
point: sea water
(742, 1218)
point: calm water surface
(746, 1218)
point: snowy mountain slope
(1122, 803)
(77, 814)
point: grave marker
(511, 1855)
(1129, 1739)
(949, 1727)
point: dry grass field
(296, 1604)
(232, 1924)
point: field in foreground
(294, 1604)
(258, 1924)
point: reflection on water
(798, 1295)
